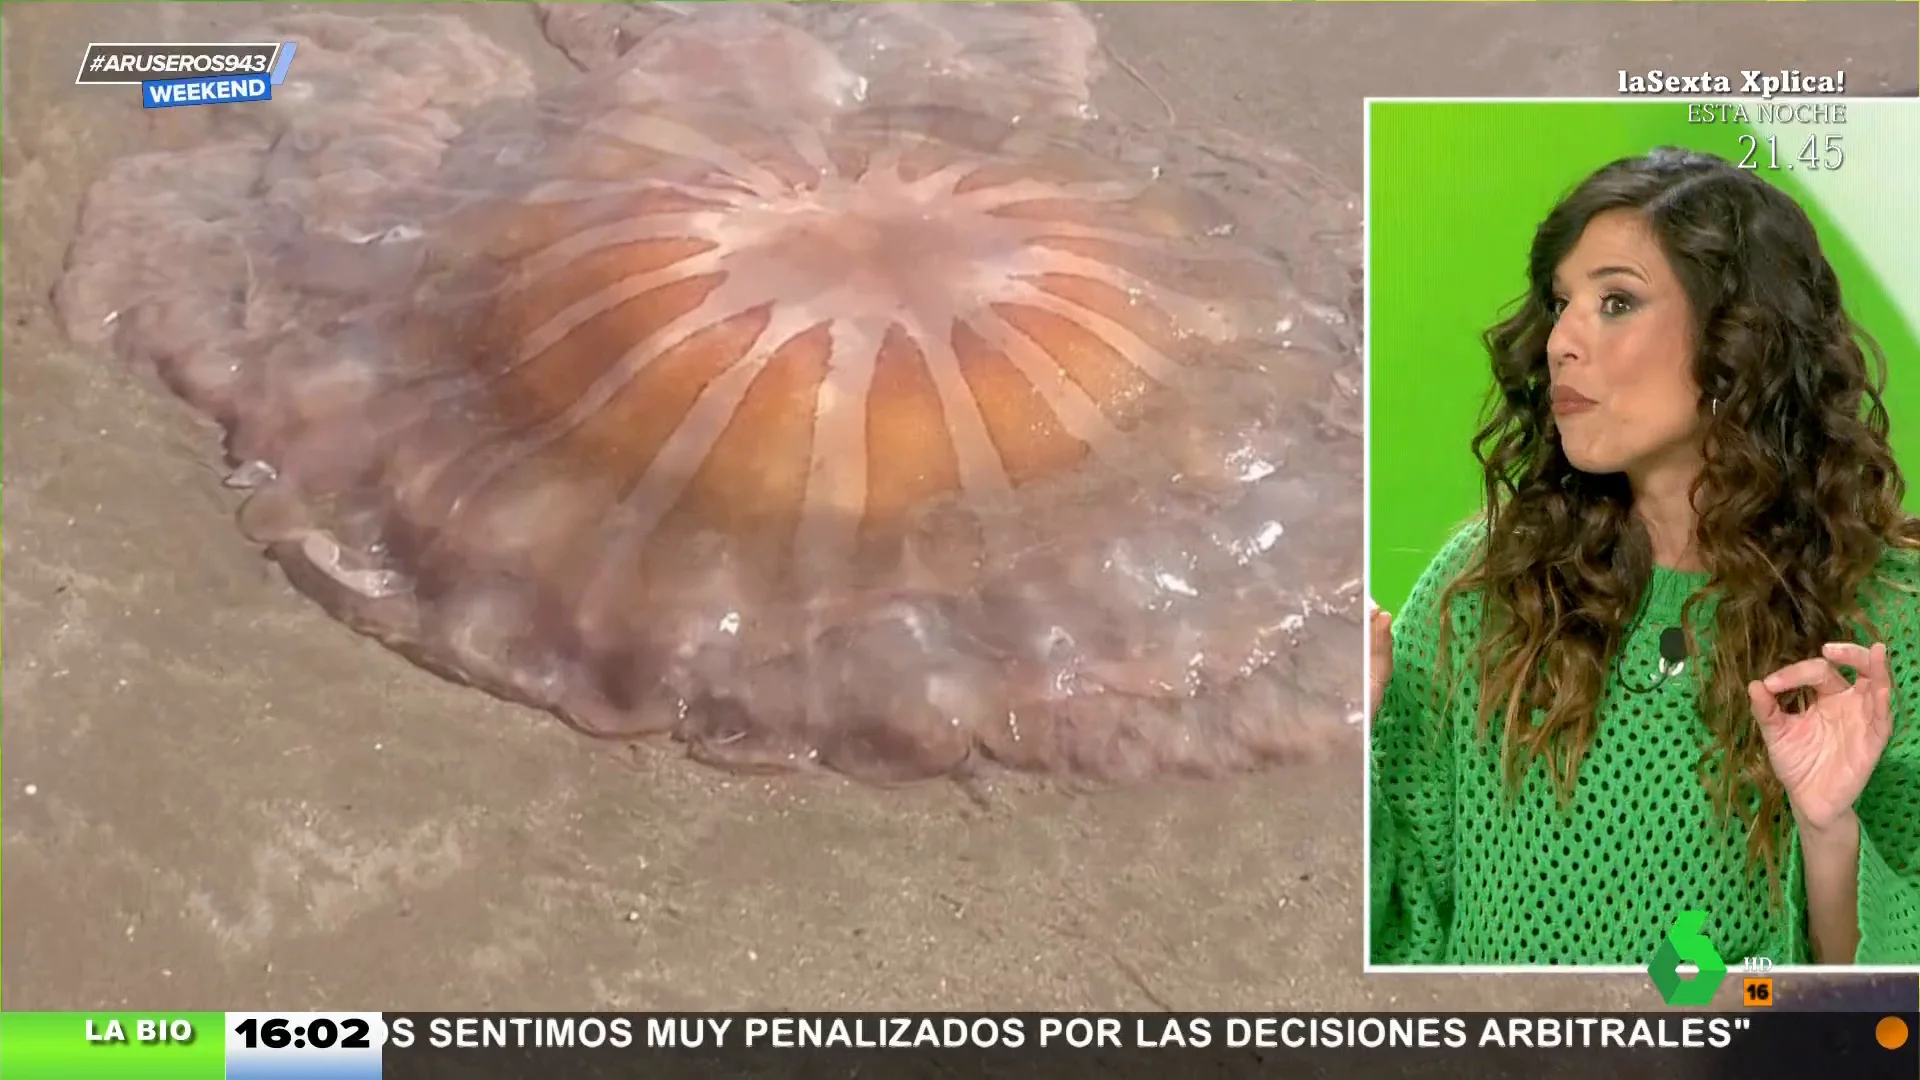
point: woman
(1687, 450)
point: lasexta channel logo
(1687, 943)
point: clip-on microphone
(1673, 660)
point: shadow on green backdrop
(1455, 190)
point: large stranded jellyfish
(820, 386)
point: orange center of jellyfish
(800, 346)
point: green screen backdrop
(1454, 192)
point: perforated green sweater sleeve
(1412, 778)
(1889, 809)
(1464, 872)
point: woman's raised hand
(1824, 753)
(1380, 625)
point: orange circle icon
(1891, 1032)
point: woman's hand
(1824, 753)
(1380, 624)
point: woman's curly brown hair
(1797, 501)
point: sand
(216, 797)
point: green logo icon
(1685, 944)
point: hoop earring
(1713, 406)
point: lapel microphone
(1673, 660)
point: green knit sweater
(1463, 875)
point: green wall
(1455, 190)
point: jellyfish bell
(813, 428)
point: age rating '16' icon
(1687, 944)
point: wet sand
(216, 797)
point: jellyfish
(812, 387)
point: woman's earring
(1714, 406)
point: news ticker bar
(366, 1046)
